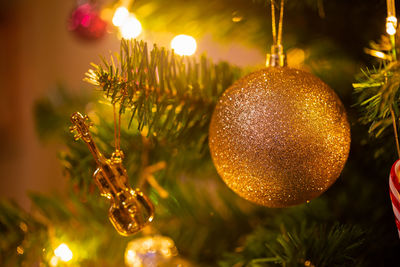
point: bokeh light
(131, 28)
(184, 45)
(150, 251)
(120, 16)
(391, 24)
(63, 252)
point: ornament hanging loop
(277, 58)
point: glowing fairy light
(391, 20)
(120, 16)
(150, 251)
(131, 28)
(184, 45)
(376, 53)
(391, 24)
(63, 252)
(54, 261)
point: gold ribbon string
(277, 41)
(117, 129)
(277, 57)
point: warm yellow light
(391, 24)
(184, 45)
(54, 261)
(120, 16)
(131, 259)
(160, 248)
(63, 252)
(376, 53)
(379, 54)
(131, 28)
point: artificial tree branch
(168, 95)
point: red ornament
(394, 191)
(85, 21)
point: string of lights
(129, 27)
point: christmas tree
(146, 147)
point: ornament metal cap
(277, 58)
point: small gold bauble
(279, 137)
(150, 251)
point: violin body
(131, 215)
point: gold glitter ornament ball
(279, 137)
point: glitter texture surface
(279, 137)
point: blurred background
(37, 53)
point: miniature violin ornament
(130, 209)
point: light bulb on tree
(391, 25)
(120, 16)
(63, 252)
(391, 20)
(184, 45)
(130, 28)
